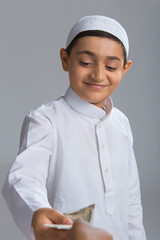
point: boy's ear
(64, 59)
(126, 68)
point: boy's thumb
(59, 218)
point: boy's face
(95, 68)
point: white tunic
(73, 154)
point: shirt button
(106, 170)
(99, 126)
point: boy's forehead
(102, 23)
(98, 46)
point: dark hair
(96, 33)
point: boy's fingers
(50, 233)
(45, 215)
(58, 234)
(59, 218)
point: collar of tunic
(86, 108)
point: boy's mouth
(95, 86)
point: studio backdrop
(31, 35)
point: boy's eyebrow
(113, 58)
(87, 52)
(93, 55)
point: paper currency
(85, 214)
(59, 226)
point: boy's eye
(85, 63)
(111, 69)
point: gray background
(31, 34)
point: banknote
(58, 226)
(85, 214)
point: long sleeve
(24, 188)
(136, 229)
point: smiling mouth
(95, 86)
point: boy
(78, 150)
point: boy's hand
(49, 216)
(83, 231)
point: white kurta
(72, 154)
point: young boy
(78, 150)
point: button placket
(106, 168)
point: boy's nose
(99, 73)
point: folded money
(58, 226)
(85, 214)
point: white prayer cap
(102, 23)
